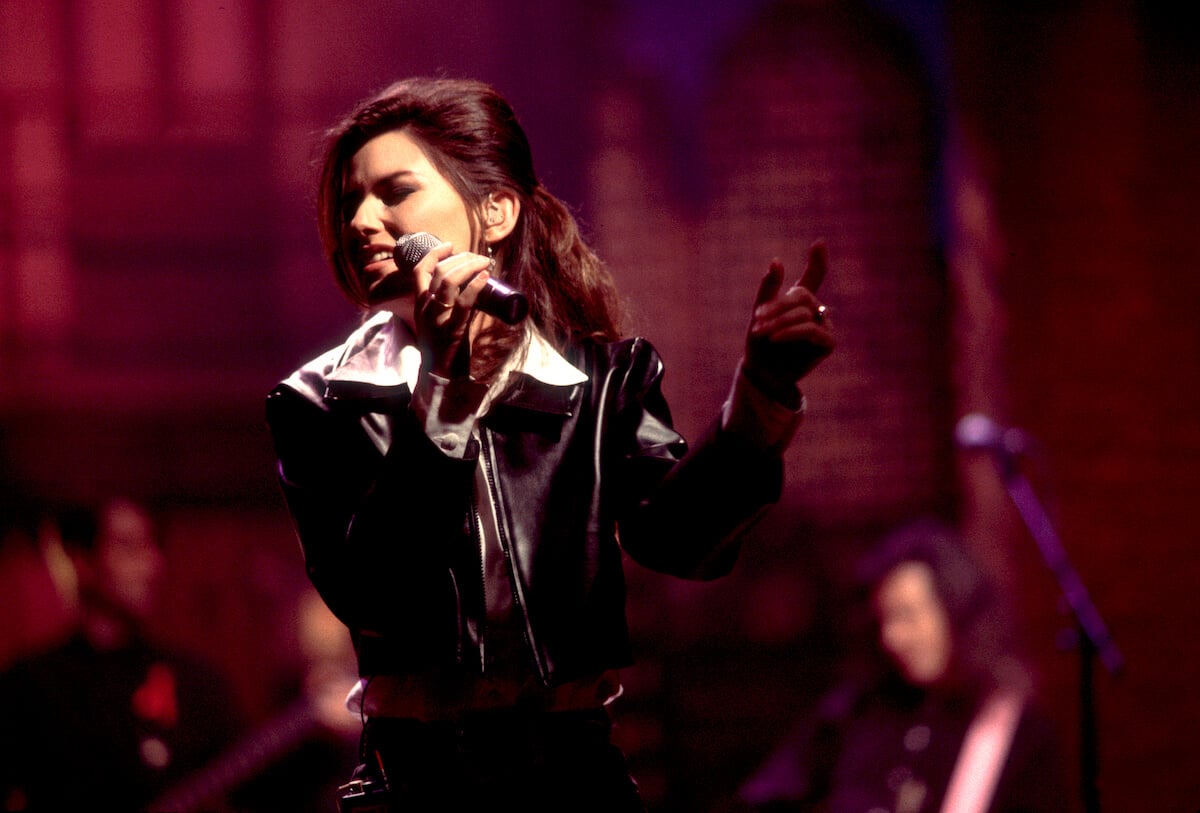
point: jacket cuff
(760, 420)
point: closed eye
(396, 194)
(395, 187)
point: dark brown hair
(984, 645)
(471, 135)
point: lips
(371, 257)
(375, 263)
(381, 276)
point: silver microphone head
(410, 248)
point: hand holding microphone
(496, 298)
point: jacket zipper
(517, 593)
(460, 618)
(481, 623)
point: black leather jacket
(385, 518)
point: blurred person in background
(108, 718)
(459, 482)
(296, 760)
(936, 714)
(31, 604)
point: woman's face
(393, 189)
(913, 626)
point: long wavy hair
(471, 135)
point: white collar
(383, 353)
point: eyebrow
(395, 176)
(386, 179)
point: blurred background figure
(297, 760)
(106, 719)
(936, 713)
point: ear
(500, 213)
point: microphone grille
(410, 248)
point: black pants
(528, 761)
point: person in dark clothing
(108, 719)
(463, 485)
(938, 716)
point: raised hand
(790, 331)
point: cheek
(943, 642)
(892, 637)
(446, 219)
(929, 653)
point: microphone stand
(1092, 636)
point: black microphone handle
(496, 298)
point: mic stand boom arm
(1093, 635)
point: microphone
(496, 298)
(979, 432)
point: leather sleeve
(364, 518)
(682, 510)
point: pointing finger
(814, 273)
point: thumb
(814, 272)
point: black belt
(538, 760)
(503, 735)
(493, 724)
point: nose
(367, 218)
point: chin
(917, 675)
(393, 286)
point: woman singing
(460, 485)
